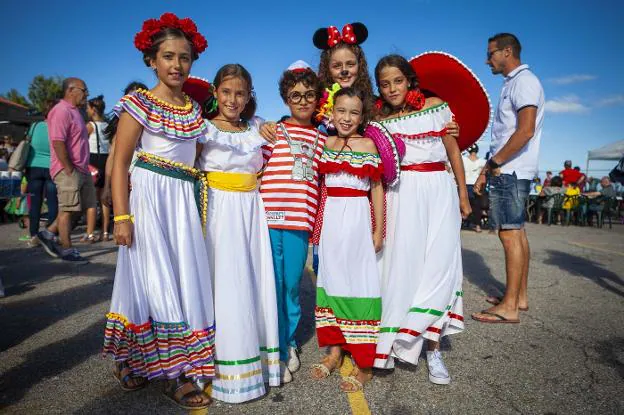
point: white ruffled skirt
(421, 266)
(161, 318)
(246, 338)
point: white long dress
(241, 263)
(348, 303)
(161, 319)
(421, 262)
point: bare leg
(54, 227)
(523, 296)
(515, 259)
(64, 226)
(91, 218)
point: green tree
(14, 96)
(42, 89)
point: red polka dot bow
(335, 37)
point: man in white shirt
(472, 168)
(516, 134)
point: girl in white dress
(161, 320)
(238, 245)
(348, 303)
(421, 263)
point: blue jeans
(508, 196)
(39, 180)
(290, 251)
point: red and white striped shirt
(289, 203)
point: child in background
(290, 191)
(348, 297)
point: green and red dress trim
(352, 323)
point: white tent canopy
(613, 151)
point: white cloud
(611, 101)
(572, 79)
(566, 104)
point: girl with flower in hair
(348, 300)
(161, 319)
(421, 261)
(238, 244)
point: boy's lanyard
(303, 159)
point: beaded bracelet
(123, 218)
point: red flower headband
(352, 34)
(143, 40)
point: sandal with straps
(182, 391)
(326, 367)
(88, 239)
(123, 374)
(352, 380)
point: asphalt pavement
(565, 357)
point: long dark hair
(165, 34)
(362, 81)
(111, 128)
(236, 70)
(98, 105)
(399, 62)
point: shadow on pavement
(49, 361)
(479, 273)
(22, 319)
(610, 352)
(586, 268)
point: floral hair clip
(143, 40)
(352, 34)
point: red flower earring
(415, 99)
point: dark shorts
(99, 161)
(508, 196)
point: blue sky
(574, 47)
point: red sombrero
(198, 88)
(449, 79)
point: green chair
(557, 206)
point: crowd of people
(214, 208)
(569, 194)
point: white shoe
(293, 360)
(438, 373)
(285, 375)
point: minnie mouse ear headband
(451, 80)
(299, 66)
(352, 34)
(143, 40)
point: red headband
(143, 40)
(334, 37)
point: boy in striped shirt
(290, 191)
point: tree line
(40, 90)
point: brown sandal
(123, 374)
(326, 367)
(181, 391)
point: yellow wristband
(121, 218)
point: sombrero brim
(391, 151)
(197, 88)
(452, 81)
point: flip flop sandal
(492, 299)
(123, 374)
(88, 239)
(326, 371)
(499, 319)
(180, 392)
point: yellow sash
(232, 182)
